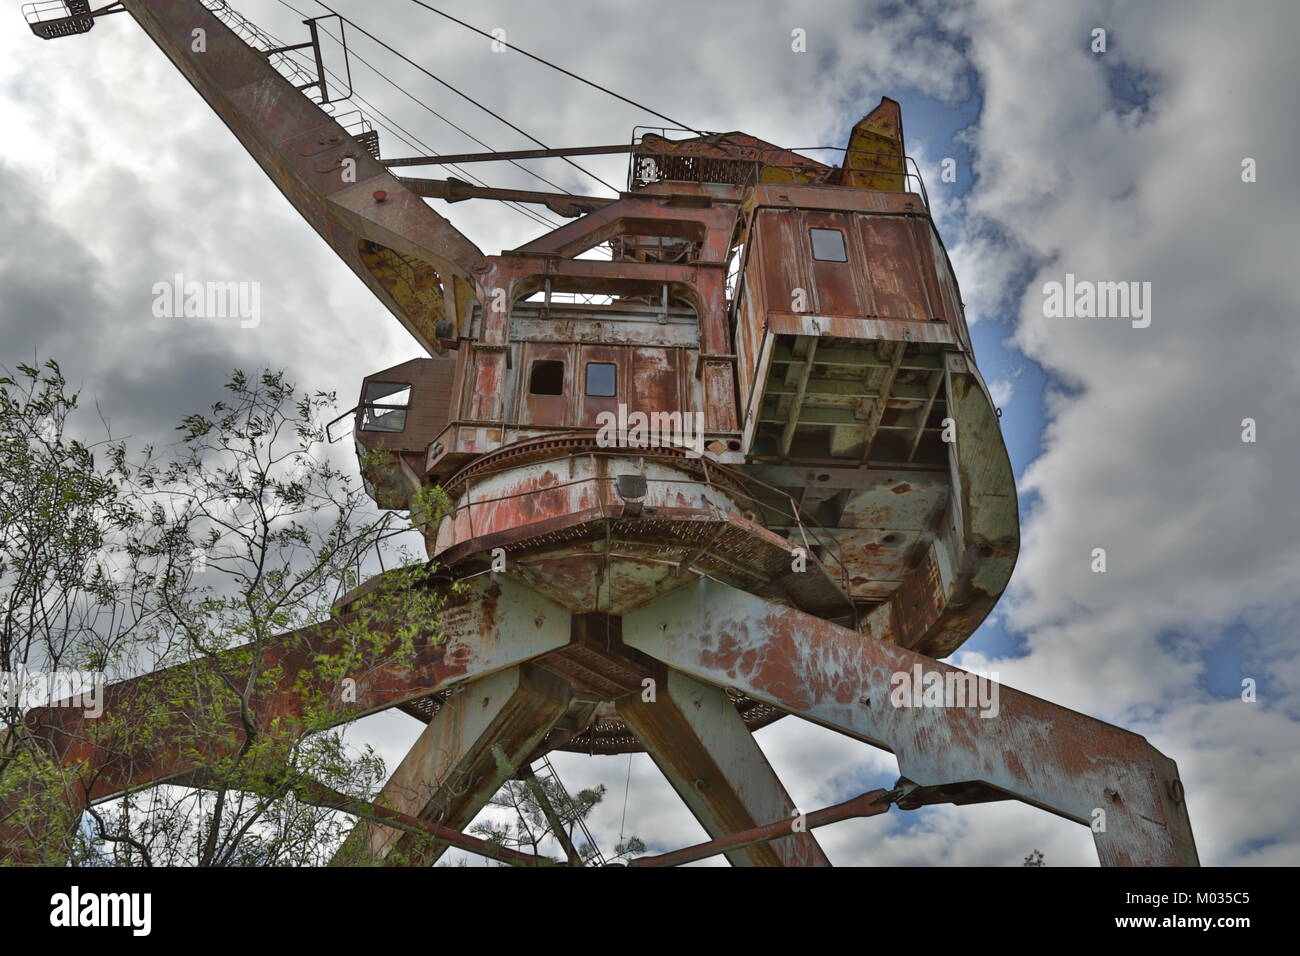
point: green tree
(542, 815)
(193, 577)
(191, 569)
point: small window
(828, 245)
(602, 379)
(547, 378)
(384, 407)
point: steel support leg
(1073, 765)
(694, 734)
(470, 748)
(489, 625)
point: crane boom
(418, 264)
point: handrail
(911, 172)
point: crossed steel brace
(508, 654)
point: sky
(1122, 165)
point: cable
(415, 99)
(465, 96)
(581, 79)
(553, 66)
(627, 785)
(416, 144)
(413, 141)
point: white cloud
(1142, 453)
(1001, 390)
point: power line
(465, 96)
(581, 79)
(554, 66)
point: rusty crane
(832, 504)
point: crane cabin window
(602, 379)
(828, 245)
(547, 378)
(385, 405)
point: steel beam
(475, 742)
(801, 390)
(459, 158)
(490, 624)
(1048, 756)
(868, 804)
(711, 226)
(317, 794)
(552, 817)
(453, 190)
(346, 194)
(701, 744)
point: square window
(388, 393)
(383, 419)
(602, 379)
(828, 245)
(547, 378)
(385, 405)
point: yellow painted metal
(789, 175)
(875, 158)
(414, 285)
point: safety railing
(52, 19)
(650, 165)
(279, 54)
